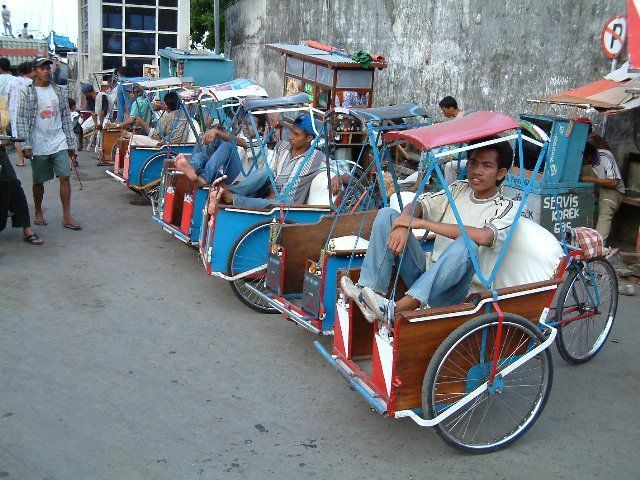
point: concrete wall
(489, 54)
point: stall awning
(471, 127)
(617, 92)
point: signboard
(613, 36)
(633, 37)
(572, 209)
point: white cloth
(496, 213)
(13, 91)
(47, 136)
(6, 79)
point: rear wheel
(115, 151)
(511, 405)
(147, 176)
(586, 310)
(250, 251)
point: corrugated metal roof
(321, 55)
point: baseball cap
(42, 61)
(86, 88)
(305, 123)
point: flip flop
(42, 222)
(71, 226)
(33, 239)
(19, 164)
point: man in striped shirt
(294, 168)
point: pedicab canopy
(471, 127)
(391, 112)
(237, 88)
(277, 102)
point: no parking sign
(613, 36)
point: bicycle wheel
(586, 310)
(115, 151)
(149, 173)
(251, 250)
(502, 414)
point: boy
(445, 276)
(255, 189)
(204, 164)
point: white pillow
(319, 190)
(533, 255)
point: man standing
(25, 70)
(6, 20)
(5, 76)
(44, 121)
(99, 114)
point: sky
(39, 15)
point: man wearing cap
(44, 121)
(255, 190)
(99, 114)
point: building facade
(113, 33)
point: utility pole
(216, 26)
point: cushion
(533, 255)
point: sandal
(72, 226)
(42, 222)
(33, 239)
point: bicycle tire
(573, 342)
(509, 419)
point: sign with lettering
(560, 212)
(613, 36)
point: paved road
(120, 359)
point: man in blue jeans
(215, 155)
(294, 168)
(446, 275)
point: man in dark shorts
(44, 121)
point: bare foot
(185, 167)
(216, 193)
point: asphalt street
(121, 359)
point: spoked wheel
(512, 403)
(586, 310)
(149, 179)
(250, 251)
(115, 151)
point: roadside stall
(616, 93)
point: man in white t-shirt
(6, 21)
(44, 121)
(446, 275)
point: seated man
(139, 113)
(600, 167)
(444, 276)
(255, 189)
(216, 153)
(172, 127)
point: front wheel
(586, 310)
(250, 251)
(512, 404)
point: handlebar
(7, 138)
